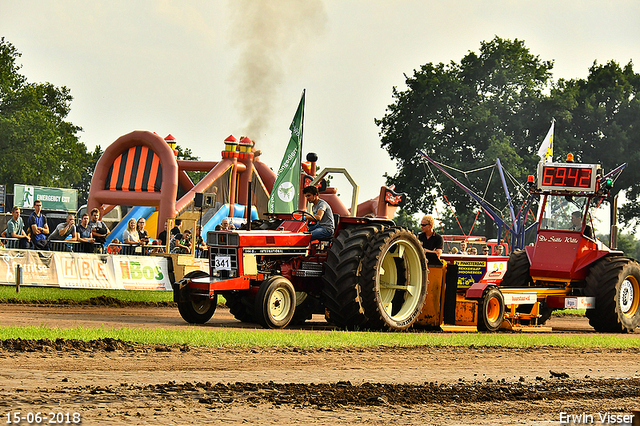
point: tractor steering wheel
(305, 216)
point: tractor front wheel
(491, 310)
(275, 302)
(196, 309)
(615, 283)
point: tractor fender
(476, 290)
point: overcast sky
(202, 70)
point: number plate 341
(222, 263)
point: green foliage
(38, 146)
(626, 242)
(599, 123)
(186, 154)
(404, 219)
(466, 115)
(499, 103)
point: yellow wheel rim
(629, 296)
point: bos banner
(80, 270)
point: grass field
(196, 336)
(267, 338)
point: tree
(38, 146)
(466, 115)
(601, 125)
(404, 219)
(186, 154)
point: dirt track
(111, 382)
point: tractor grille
(309, 269)
(223, 261)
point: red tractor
(566, 266)
(370, 275)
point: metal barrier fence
(82, 247)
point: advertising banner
(140, 272)
(82, 270)
(76, 270)
(38, 268)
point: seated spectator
(218, 227)
(157, 247)
(65, 231)
(114, 247)
(84, 234)
(226, 225)
(38, 227)
(500, 250)
(486, 250)
(186, 238)
(454, 250)
(176, 246)
(15, 229)
(472, 250)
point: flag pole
(301, 204)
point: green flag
(286, 189)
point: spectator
(472, 251)
(186, 239)
(201, 247)
(38, 226)
(463, 247)
(65, 231)
(218, 227)
(114, 247)
(176, 246)
(84, 234)
(454, 250)
(99, 230)
(142, 233)
(431, 241)
(176, 229)
(130, 235)
(15, 229)
(500, 250)
(486, 250)
(162, 236)
(225, 225)
(157, 248)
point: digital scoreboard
(568, 177)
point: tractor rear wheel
(394, 280)
(241, 305)
(275, 302)
(517, 274)
(196, 310)
(615, 283)
(341, 289)
(491, 310)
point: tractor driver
(431, 241)
(576, 223)
(322, 212)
